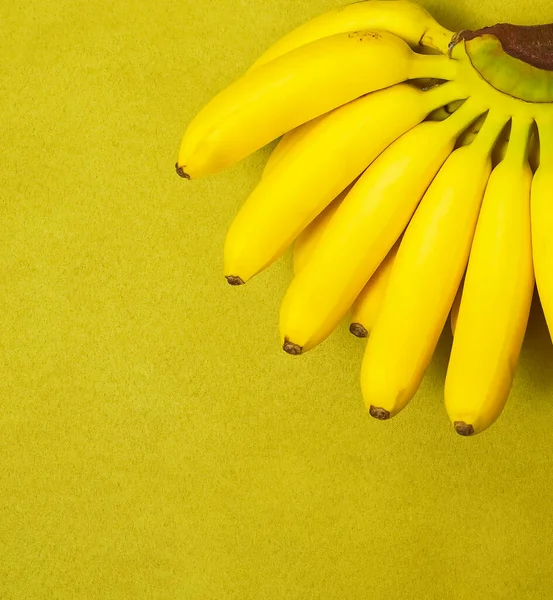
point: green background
(155, 442)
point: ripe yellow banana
(295, 88)
(407, 20)
(364, 229)
(366, 306)
(307, 241)
(542, 220)
(427, 272)
(317, 168)
(496, 297)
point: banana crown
(515, 60)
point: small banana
(317, 168)
(497, 295)
(427, 272)
(407, 20)
(295, 88)
(367, 305)
(542, 219)
(364, 229)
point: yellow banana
(366, 306)
(364, 229)
(295, 88)
(317, 168)
(427, 272)
(307, 241)
(407, 20)
(496, 296)
(542, 220)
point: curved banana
(366, 306)
(407, 20)
(364, 229)
(317, 168)
(426, 275)
(307, 240)
(542, 220)
(295, 88)
(497, 295)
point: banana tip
(291, 348)
(463, 428)
(358, 330)
(379, 413)
(235, 280)
(180, 172)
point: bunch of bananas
(415, 176)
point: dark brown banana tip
(180, 172)
(379, 413)
(358, 330)
(292, 348)
(234, 280)
(463, 429)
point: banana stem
(464, 116)
(545, 136)
(443, 94)
(519, 141)
(438, 38)
(433, 67)
(491, 130)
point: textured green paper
(155, 442)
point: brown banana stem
(532, 44)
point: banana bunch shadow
(414, 177)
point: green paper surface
(155, 441)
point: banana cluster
(414, 176)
